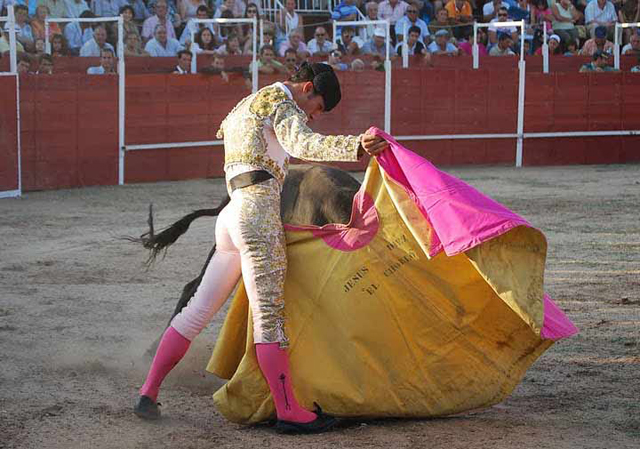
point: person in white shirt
(99, 42)
(161, 44)
(75, 8)
(493, 31)
(411, 19)
(193, 27)
(600, 13)
(107, 64)
(320, 45)
(160, 18)
(633, 47)
(490, 9)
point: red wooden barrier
(8, 134)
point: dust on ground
(78, 310)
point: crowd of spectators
(166, 28)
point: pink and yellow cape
(429, 302)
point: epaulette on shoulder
(266, 100)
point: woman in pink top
(467, 47)
(542, 15)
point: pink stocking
(171, 349)
(274, 364)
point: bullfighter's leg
(220, 277)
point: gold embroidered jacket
(267, 127)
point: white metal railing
(13, 72)
(616, 45)
(254, 25)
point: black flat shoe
(147, 408)
(322, 423)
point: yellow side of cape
(385, 331)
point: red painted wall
(70, 122)
(8, 134)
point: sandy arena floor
(78, 310)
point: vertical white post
(194, 58)
(335, 38)
(261, 33)
(47, 44)
(254, 63)
(405, 49)
(545, 51)
(387, 86)
(521, 89)
(476, 52)
(121, 96)
(13, 57)
(521, 40)
(616, 48)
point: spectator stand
(616, 44)
(271, 7)
(121, 77)
(254, 25)
(387, 62)
(7, 158)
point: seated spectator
(291, 61)
(133, 46)
(226, 29)
(205, 42)
(491, 8)
(45, 65)
(4, 44)
(503, 47)
(392, 11)
(162, 44)
(267, 63)
(235, 7)
(414, 45)
(600, 63)
(565, 16)
(357, 65)
(232, 47)
(188, 9)
(37, 23)
(600, 13)
(411, 19)
(75, 8)
(521, 11)
(320, 45)
(442, 46)
(347, 44)
(629, 12)
(140, 10)
(599, 42)
(129, 26)
(160, 18)
(335, 61)
(461, 15)
(377, 45)
(184, 62)
(107, 64)
(251, 12)
(217, 68)
(289, 20)
(346, 11)
(571, 49)
(172, 11)
(39, 45)
(268, 34)
(23, 63)
(79, 33)
(541, 14)
(294, 42)
(633, 47)
(24, 34)
(366, 32)
(554, 46)
(442, 22)
(97, 43)
(467, 47)
(503, 16)
(57, 9)
(59, 45)
(107, 8)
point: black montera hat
(326, 84)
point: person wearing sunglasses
(320, 45)
(512, 31)
(491, 8)
(261, 133)
(409, 20)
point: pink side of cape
(460, 216)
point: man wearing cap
(599, 42)
(600, 13)
(600, 63)
(377, 45)
(260, 135)
(442, 46)
(503, 47)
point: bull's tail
(156, 243)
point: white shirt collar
(285, 88)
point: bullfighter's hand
(373, 145)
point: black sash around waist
(249, 178)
